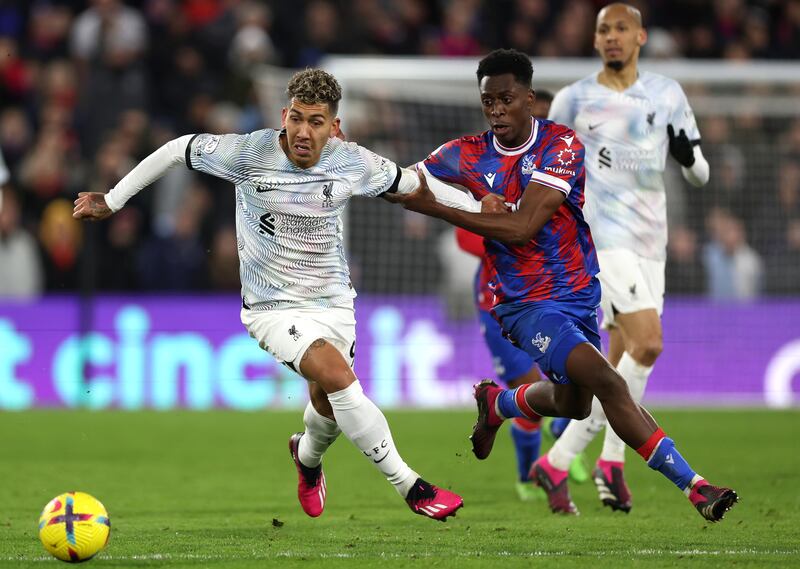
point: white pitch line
(428, 554)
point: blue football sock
(526, 445)
(669, 462)
(557, 426)
(508, 406)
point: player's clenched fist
(493, 203)
(91, 205)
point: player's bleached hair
(315, 86)
(502, 61)
(633, 11)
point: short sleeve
(561, 164)
(444, 163)
(379, 174)
(682, 115)
(562, 109)
(221, 155)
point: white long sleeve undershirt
(444, 193)
(148, 171)
(699, 172)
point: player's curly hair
(315, 86)
(502, 61)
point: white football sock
(320, 434)
(576, 437)
(363, 423)
(635, 376)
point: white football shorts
(630, 283)
(287, 333)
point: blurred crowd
(88, 88)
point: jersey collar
(524, 147)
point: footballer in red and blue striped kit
(560, 264)
(562, 260)
(545, 286)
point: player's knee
(581, 412)
(334, 380)
(646, 353)
(609, 384)
(323, 364)
(575, 409)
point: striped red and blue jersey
(560, 260)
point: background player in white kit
(297, 300)
(627, 120)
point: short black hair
(502, 61)
(544, 95)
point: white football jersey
(288, 219)
(625, 135)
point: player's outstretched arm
(96, 206)
(537, 206)
(443, 193)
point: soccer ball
(74, 526)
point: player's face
(308, 128)
(618, 37)
(507, 106)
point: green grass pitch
(217, 489)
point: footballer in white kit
(626, 140)
(629, 121)
(295, 279)
(297, 299)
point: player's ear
(642, 37)
(336, 128)
(284, 112)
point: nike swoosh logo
(594, 126)
(382, 459)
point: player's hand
(420, 200)
(92, 206)
(493, 203)
(680, 147)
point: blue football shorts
(549, 330)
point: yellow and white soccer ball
(74, 526)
